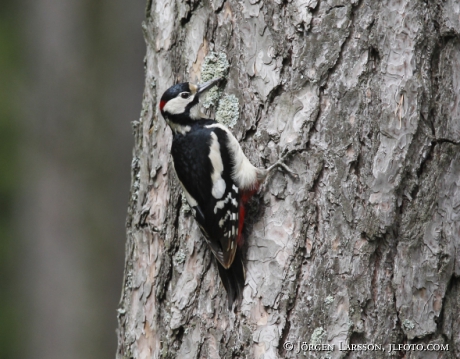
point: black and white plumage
(216, 177)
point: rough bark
(363, 248)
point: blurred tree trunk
(364, 247)
(83, 88)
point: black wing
(217, 216)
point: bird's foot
(280, 163)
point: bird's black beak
(207, 85)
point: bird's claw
(280, 163)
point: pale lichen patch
(329, 300)
(215, 65)
(180, 257)
(228, 111)
(408, 325)
(317, 336)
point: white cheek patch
(177, 105)
(218, 184)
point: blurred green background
(71, 81)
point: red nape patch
(162, 104)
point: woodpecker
(216, 177)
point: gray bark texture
(365, 246)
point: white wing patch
(221, 204)
(243, 173)
(228, 216)
(218, 184)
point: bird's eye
(184, 94)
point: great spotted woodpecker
(216, 177)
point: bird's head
(181, 100)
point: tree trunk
(364, 247)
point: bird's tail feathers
(233, 279)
